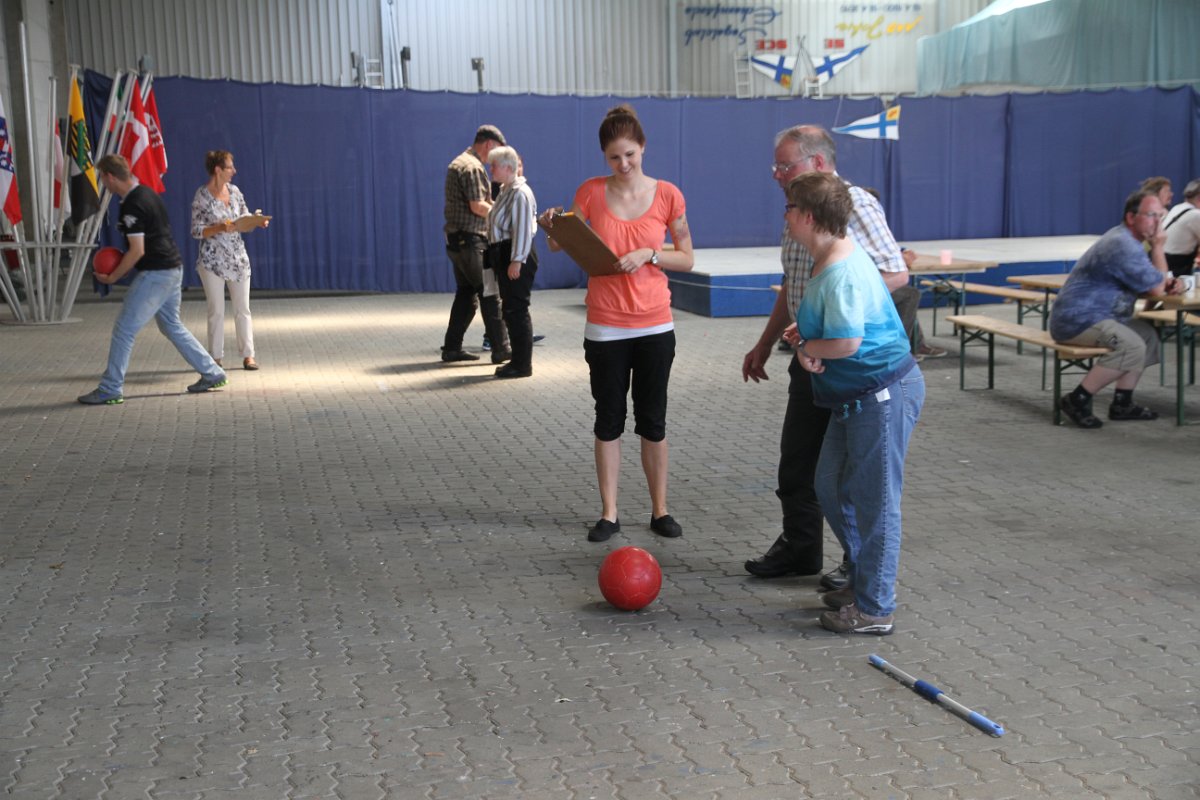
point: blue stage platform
(736, 282)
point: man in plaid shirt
(468, 200)
(798, 550)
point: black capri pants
(643, 362)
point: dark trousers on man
(514, 297)
(804, 427)
(466, 254)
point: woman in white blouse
(223, 260)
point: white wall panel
(585, 47)
(289, 41)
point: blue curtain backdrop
(354, 177)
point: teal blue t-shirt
(849, 300)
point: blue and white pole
(935, 695)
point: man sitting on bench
(1095, 309)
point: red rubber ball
(106, 260)
(630, 578)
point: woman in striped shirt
(512, 256)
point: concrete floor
(360, 573)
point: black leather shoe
(836, 579)
(781, 560)
(500, 356)
(509, 371)
(458, 355)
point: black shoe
(838, 578)
(500, 356)
(1130, 412)
(458, 355)
(781, 560)
(666, 526)
(603, 529)
(1081, 416)
(537, 337)
(511, 371)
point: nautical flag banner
(85, 194)
(8, 173)
(135, 143)
(157, 145)
(777, 68)
(831, 64)
(884, 125)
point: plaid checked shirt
(868, 227)
(466, 182)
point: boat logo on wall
(781, 68)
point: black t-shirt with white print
(143, 212)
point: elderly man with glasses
(1096, 305)
(798, 550)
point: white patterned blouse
(224, 254)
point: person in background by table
(908, 299)
(629, 339)
(512, 257)
(1095, 308)
(1182, 224)
(223, 260)
(1160, 187)
(849, 337)
(798, 549)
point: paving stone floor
(361, 573)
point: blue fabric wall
(354, 177)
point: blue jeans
(153, 293)
(860, 477)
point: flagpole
(6, 284)
(34, 292)
(91, 227)
(55, 237)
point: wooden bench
(1164, 322)
(976, 328)
(1027, 301)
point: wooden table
(1180, 303)
(928, 266)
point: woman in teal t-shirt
(849, 336)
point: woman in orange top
(630, 336)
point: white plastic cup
(1189, 283)
(946, 256)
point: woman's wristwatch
(654, 257)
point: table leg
(1179, 379)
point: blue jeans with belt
(860, 477)
(153, 294)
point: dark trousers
(466, 254)
(804, 427)
(514, 295)
(643, 363)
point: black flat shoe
(458, 355)
(781, 560)
(500, 356)
(666, 526)
(603, 529)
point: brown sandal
(249, 363)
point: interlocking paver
(361, 573)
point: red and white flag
(156, 138)
(135, 143)
(8, 173)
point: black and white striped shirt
(513, 217)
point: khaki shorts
(1134, 344)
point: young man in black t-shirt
(155, 292)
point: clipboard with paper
(582, 244)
